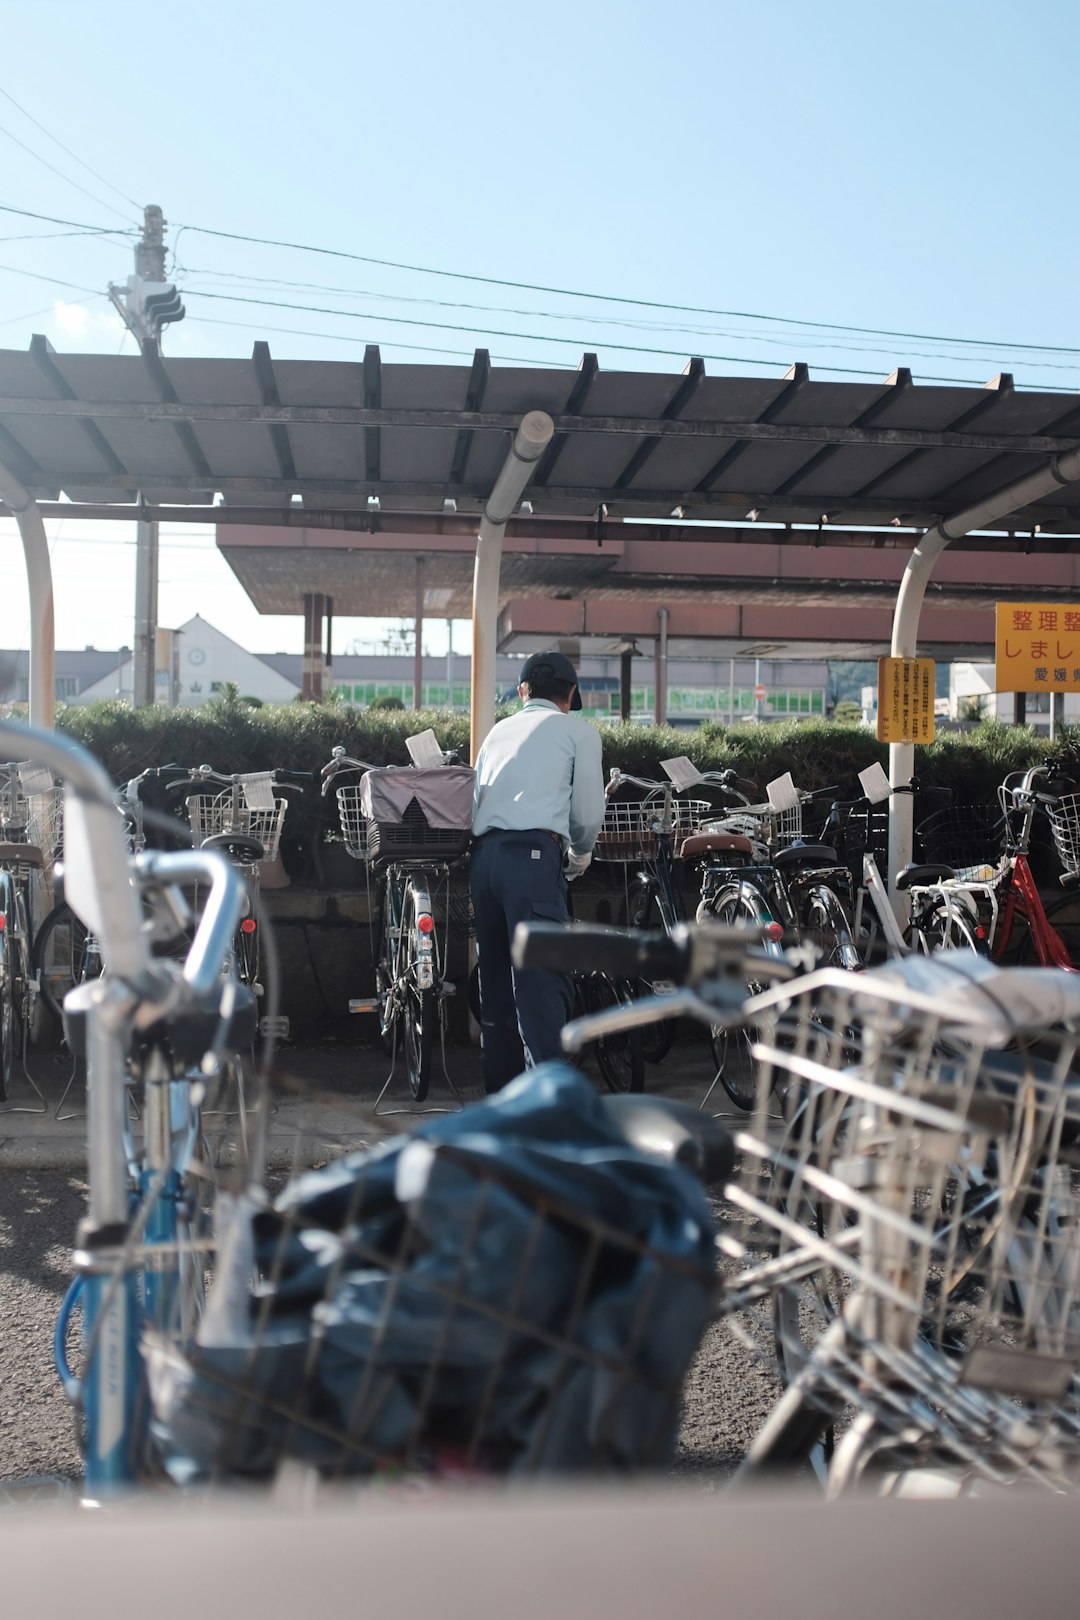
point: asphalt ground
(326, 1094)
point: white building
(207, 660)
(972, 696)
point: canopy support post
(530, 442)
(40, 586)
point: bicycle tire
(65, 954)
(735, 1066)
(620, 1057)
(1063, 914)
(656, 1039)
(419, 1008)
(824, 922)
(8, 1021)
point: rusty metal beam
(268, 393)
(165, 410)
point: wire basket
(631, 830)
(450, 1303)
(962, 836)
(918, 1224)
(214, 814)
(45, 823)
(13, 806)
(1064, 818)
(855, 830)
(411, 838)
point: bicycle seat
(24, 854)
(805, 855)
(930, 872)
(238, 846)
(713, 843)
(675, 1132)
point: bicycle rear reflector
(3, 922)
(248, 926)
(774, 930)
(425, 923)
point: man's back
(541, 768)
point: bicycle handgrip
(676, 1132)
(589, 948)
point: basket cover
(443, 792)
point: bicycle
(915, 1231)
(163, 1027)
(241, 815)
(411, 825)
(22, 860)
(758, 871)
(978, 907)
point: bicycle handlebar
(581, 947)
(225, 905)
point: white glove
(574, 864)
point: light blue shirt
(541, 768)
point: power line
(529, 337)
(54, 170)
(608, 320)
(57, 142)
(611, 298)
(80, 224)
(35, 275)
(345, 337)
(12, 320)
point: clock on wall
(196, 656)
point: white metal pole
(1064, 469)
(530, 442)
(39, 583)
(146, 600)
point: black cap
(556, 666)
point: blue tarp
(412, 1303)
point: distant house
(205, 659)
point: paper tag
(875, 784)
(783, 794)
(258, 790)
(424, 750)
(681, 772)
(35, 778)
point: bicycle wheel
(65, 954)
(825, 924)
(1063, 915)
(618, 1057)
(9, 1018)
(655, 1040)
(944, 928)
(735, 1066)
(418, 1006)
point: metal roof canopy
(110, 429)
(107, 429)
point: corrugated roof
(335, 434)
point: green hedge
(230, 736)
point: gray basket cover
(444, 793)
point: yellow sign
(1038, 647)
(905, 700)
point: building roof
(335, 435)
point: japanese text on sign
(905, 700)
(1038, 647)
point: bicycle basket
(44, 812)
(211, 814)
(413, 814)
(962, 835)
(1064, 818)
(919, 1201)
(855, 830)
(630, 830)
(468, 1300)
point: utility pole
(146, 303)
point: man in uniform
(538, 808)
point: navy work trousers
(516, 877)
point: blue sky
(892, 166)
